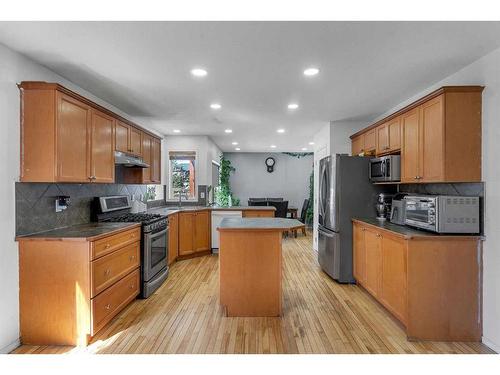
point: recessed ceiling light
(293, 106)
(215, 106)
(237, 149)
(228, 131)
(311, 71)
(280, 130)
(198, 72)
(304, 148)
(177, 131)
(311, 143)
(273, 146)
(234, 143)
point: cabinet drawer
(109, 244)
(112, 267)
(110, 302)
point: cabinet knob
(131, 286)
(132, 257)
(107, 307)
(379, 235)
(107, 272)
(107, 246)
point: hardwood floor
(320, 316)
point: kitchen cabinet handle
(131, 286)
(107, 272)
(379, 235)
(108, 306)
(132, 257)
(107, 246)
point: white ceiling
(254, 70)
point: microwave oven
(385, 168)
(443, 213)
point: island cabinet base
(250, 272)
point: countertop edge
(423, 235)
(173, 211)
(111, 232)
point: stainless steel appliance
(344, 192)
(385, 168)
(383, 206)
(398, 209)
(154, 243)
(443, 213)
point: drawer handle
(107, 307)
(132, 286)
(107, 246)
(107, 272)
(132, 257)
(132, 235)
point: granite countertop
(169, 210)
(82, 232)
(259, 223)
(407, 231)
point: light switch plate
(202, 195)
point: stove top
(145, 219)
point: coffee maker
(383, 206)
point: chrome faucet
(181, 193)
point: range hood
(126, 160)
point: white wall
(206, 151)
(290, 179)
(15, 68)
(485, 71)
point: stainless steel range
(154, 243)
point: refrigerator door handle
(326, 234)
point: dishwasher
(217, 217)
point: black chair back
(303, 212)
(257, 202)
(281, 208)
(275, 199)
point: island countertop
(81, 232)
(260, 223)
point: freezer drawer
(329, 252)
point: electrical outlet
(202, 195)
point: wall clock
(270, 164)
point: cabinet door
(373, 250)
(370, 141)
(393, 286)
(135, 143)
(359, 255)
(73, 128)
(146, 155)
(186, 233)
(431, 163)
(121, 136)
(173, 238)
(382, 138)
(102, 155)
(394, 128)
(357, 145)
(156, 161)
(202, 237)
(410, 146)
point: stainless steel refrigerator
(344, 192)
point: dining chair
(281, 208)
(303, 214)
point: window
(182, 174)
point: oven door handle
(159, 234)
(384, 168)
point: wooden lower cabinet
(194, 232)
(258, 213)
(70, 288)
(173, 238)
(430, 283)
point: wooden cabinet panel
(72, 139)
(121, 136)
(112, 267)
(370, 141)
(202, 231)
(146, 155)
(410, 147)
(155, 161)
(382, 138)
(357, 145)
(359, 254)
(258, 213)
(173, 238)
(102, 155)
(110, 302)
(394, 272)
(186, 233)
(135, 141)
(394, 134)
(373, 248)
(431, 161)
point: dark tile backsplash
(35, 203)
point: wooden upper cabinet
(431, 162)
(394, 127)
(357, 145)
(147, 145)
(122, 133)
(410, 150)
(155, 161)
(72, 139)
(382, 133)
(135, 141)
(102, 154)
(370, 142)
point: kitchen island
(250, 264)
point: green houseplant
(223, 194)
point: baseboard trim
(490, 344)
(10, 347)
